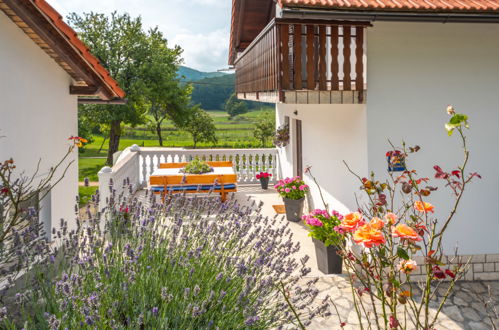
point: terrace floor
(464, 310)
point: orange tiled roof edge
(412, 5)
(72, 37)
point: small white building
(348, 76)
(44, 68)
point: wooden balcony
(305, 62)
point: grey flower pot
(328, 260)
(264, 182)
(294, 208)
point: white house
(349, 75)
(44, 68)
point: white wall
(331, 134)
(414, 71)
(37, 114)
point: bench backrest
(181, 165)
(205, 179)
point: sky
(200, 27)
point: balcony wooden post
(285, 56)
(322, 58)
(335, 67)
(310, 58)
(297, 57)
(347, 68)
(359, 66)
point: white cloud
(206, 51)
(200, 27)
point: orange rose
(407, 266)
(403, 231)
(423, 207)
(391, 218)
(351, 221)
(377, 223)
(368, 236)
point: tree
(235, 107)
(164, 96)
(131, 56)
(264, 129)
(201, 126)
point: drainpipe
(394, 16)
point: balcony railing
(312, 55)
(135, 165)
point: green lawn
(85, 194)
(89, 168)
(235, 133)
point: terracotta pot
(294, 208)
(328, 260)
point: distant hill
(211, 89)
(212, 93)
(189, 74)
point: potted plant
(293, 191)
(396, 161)
(197, 166)
(264, 178)
(281, 138)
(327, 238)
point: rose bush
(391, 236)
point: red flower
(438, 273)
(263, 175)
(394, 323)
(450, 273)
(4, 190)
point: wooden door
(298, 148)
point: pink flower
(287, 190)
(312, 221)
(294, 187)
(339, 230)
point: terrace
(136, 165)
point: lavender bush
(23, 242)
(188, 263)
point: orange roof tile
(72, 37)
(38, 15)
(416, 5)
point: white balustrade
(247, 162)
(135, 165)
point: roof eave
(372, 15)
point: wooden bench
(223, 180)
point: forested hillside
(212, 93)
(189, 74)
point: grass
(89, 168)
(85, 194)
(231, 133)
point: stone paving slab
(464, 309)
